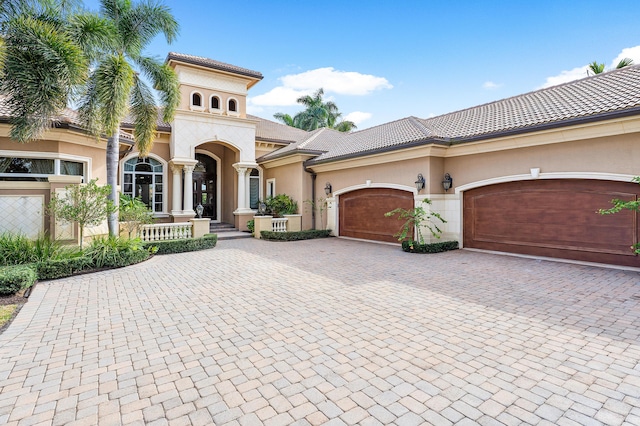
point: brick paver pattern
(327, 332)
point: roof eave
(349, 156)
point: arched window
(215, 102)
(233, 105)
(196, 99)
(143, 177)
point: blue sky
(385, 60)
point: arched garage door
(362, 213)
(554, 218)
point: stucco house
(523, 175)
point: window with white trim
(215, 102)
(37, 169)
(143, 178)
(233, 105)
(196, 99)
(271, 187)
(254, 189)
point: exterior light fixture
(327, 188)
(447, 182)
(420, 182)
(199, 210)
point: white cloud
(565, 76)
(629, 52)
(332, 81)
(357, 117)
(339, 82)
(581, 72)
(278, 96)
(490, 85)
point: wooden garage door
(362, 213)
(555, 218)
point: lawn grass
(6, 313)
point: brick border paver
(327, 332)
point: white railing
(279, 224)
(165, 231)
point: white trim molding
(165, 179)
(369, 184)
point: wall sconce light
(447, 182)
(199, 210)
(420, 182)
(327, 188)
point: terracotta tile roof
(210, 63)
(272, 131)
(592, 98)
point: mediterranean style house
(521, 175)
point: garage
(553, 218)
(362, 213)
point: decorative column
(242, 186)
(332, 215)
(176, 206)
(188, 189)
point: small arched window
(233, 105)
(196, 100)
(215, 102)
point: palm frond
(114, 79)
(596, 68)
(142, 23)
(145, 115)
(624, 63)
(45, 64)
(165, 81)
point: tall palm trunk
(113, 145)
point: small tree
(619, 205)
(133, 212)
(417, 217)
(320, 205)
(85, 204)
(280, 205)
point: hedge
(295, 236)
(16, 278)
(52, 269)
(180, 246)
(415, 247)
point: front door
(205, 184)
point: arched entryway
(205, 185)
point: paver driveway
(327, 331)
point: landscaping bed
(295, 236)
(439, 247)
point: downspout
(313, 196)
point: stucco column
(188, 189)
(242, 188)
(332, 215)
(176, 205)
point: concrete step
(232, 235)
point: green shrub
(180, 246)
(295, 236)
(16, 278)
(251, 226)
(113, 252)
(19, 250)
(61, 268)
(415, 247)
(280, 205)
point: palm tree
(115, 86)
(44, 46)
(597, 68)
(316, 114)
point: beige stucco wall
(291, 179)
(185, 99)
(613, 154)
